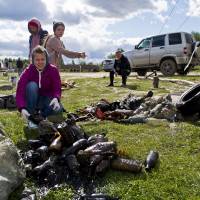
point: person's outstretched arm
(57, 46)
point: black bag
(8, 101)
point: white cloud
(194, 8)
(13, 31)
(87, 23)
(93, 34)
(159, 5)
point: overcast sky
(97, 27)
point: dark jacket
(19, 64)
(42, 34)
(122, 66)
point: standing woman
(56, 48)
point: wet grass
(176, 177)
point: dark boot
(124, 78)
(111, 79)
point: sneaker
(32, 125)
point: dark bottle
(101, 147)
(151, 160)
(155, 81)
(126, 165)
(34, 144)
(135, 102)
(44, 152)
(45, 166)
(72, 163)
(78, 145)
(94, 139)
(56, 145)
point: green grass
(176, 177)
(59, 194)
(196, 69)
(93, 89)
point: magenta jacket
(48, 81)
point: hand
(116, 74)
(82, 55)
(25, 114)
(55, 104)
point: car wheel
(168, 67)
(189, 103)
(182, 72)
(141, 72)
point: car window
(175, 38)
(144, 43)
(188, 38)
(158, 41)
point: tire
(141, 72)
(182, 72)
(168, 67)
(189, 103)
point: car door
(157, 49)
(141, 53)
(175, 44)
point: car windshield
(144, 44)
(107, 62)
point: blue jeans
(36, 102)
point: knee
(32, 86)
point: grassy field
(178, 173)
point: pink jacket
(48, 81)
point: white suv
(168, 53)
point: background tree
(112, 55)
(196, 35)
(73, 63)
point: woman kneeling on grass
(39, 87)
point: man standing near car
(121, 67)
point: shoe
(110, 85)
(32, 125)
(123, 85)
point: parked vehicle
(108, 65)
(168, 53)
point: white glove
(55, 104)
(25, 114)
